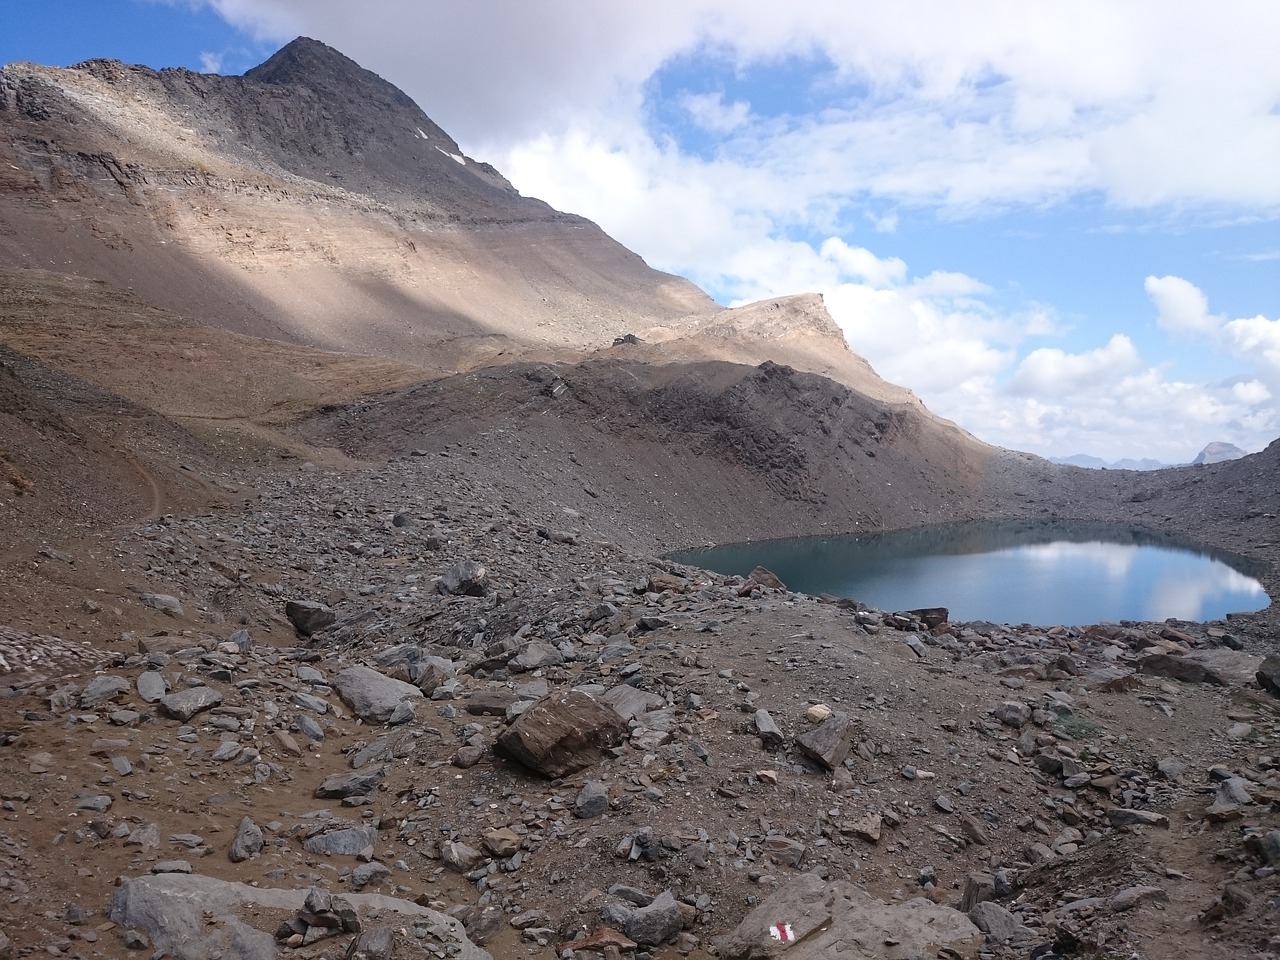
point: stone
(1268, 675)
(657, 923)
(466, 578)
(247, 842)
(784, 850)
(503, 842)
(371, 695)
(592, 800)
(829, 743)
(185, 704)
(338, 786)
(151, 686)
(868, 828)
(101, 689)
(630, 702)
(561, 734)
(535, 655)
(369, 873)
(1123, 817)
(995, 921)
(1012, 713)
(309, 616)
(169, 606)
(837, 919)
(344, 841)
(1170, 769)
(1173, 667)
(766, 578)
(459, 856)
(1131, 897)
(768, 732)
(190, 916)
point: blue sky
(1058, 224)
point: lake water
(1014, 572)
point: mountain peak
(304, 62)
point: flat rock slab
(1220, 668)
(810, 919)
(172, 910)
(562, 734)
(339, 786)
(185, 704)
(630, 702)
(371, 695)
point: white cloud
(210, 62)
(710, 112)
(1181, 306)
(1049, 372)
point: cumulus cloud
(1181, 306)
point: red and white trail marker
(782, 932)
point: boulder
(247, 842)
(656, 923)
(191, 917)
(766, 578)
(102, 689)
(169, 606)
(345, 841)
(467, 578)
(809, 918)
(1268, 675)
(371, 695)
(185, 704)
(829, 743)
(561, 734)
(339, 786)
(309, 616)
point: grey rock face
(309, 616)
(342, 842)
(467, 578)
(152, 686)
(169, 606)
(373, 696)
(185, 704)
(592, 800)
(338, 786)
(656, 923)
(172, 910)
(247, 842)
(101, 689)
(837, 919)
(829, 744)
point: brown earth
(226, 371)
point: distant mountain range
(1215, 452)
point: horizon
(1063, 258)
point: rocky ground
(1099, 791)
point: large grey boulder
(371, 695)
(172, 910)
(309, 616)
(811, 919)
(185, 704)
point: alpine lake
(1037, 573)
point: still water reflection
(1014, 572)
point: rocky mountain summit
(337, 480)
